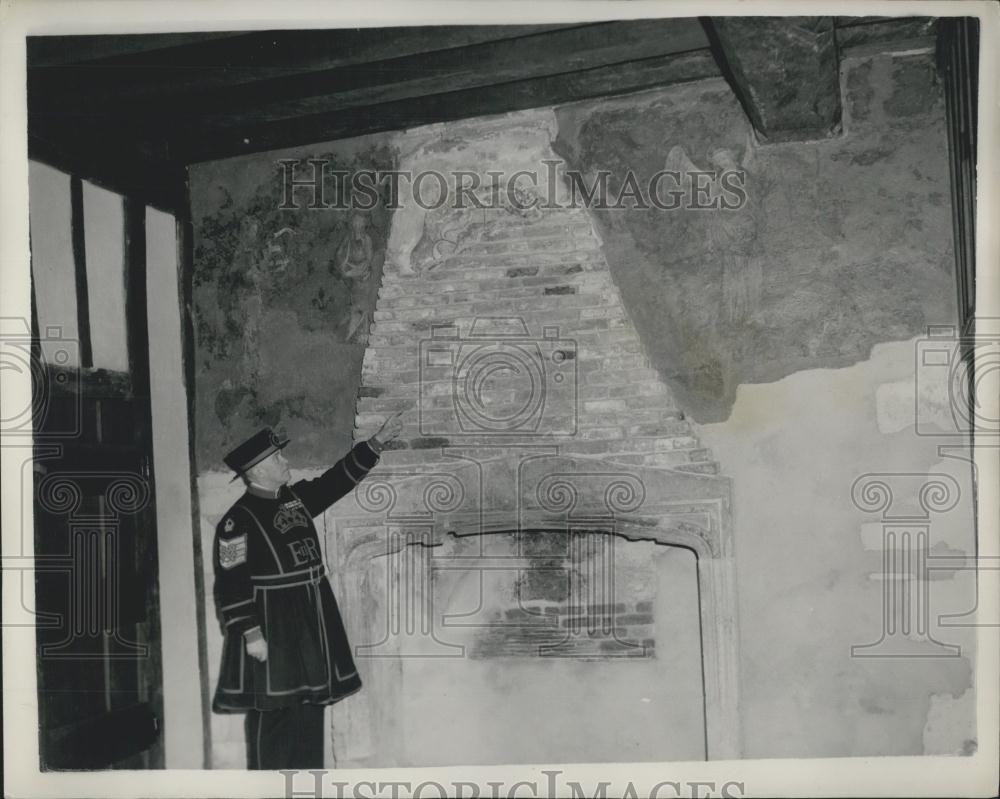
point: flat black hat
(252, 451)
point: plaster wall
(179, 603)
(810, 566)
(52, 259)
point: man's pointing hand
(390, 429)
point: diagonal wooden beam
(784, 71)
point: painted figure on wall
(353, 261)
(730, 233)
(250, 259)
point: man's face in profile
(272, 471)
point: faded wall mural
(843, 243)
(283, 299)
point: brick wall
(562, 630)
(516, 279)
(583, 595)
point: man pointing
(285, 654)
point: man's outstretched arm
(337, 481)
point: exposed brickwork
(591, 632)
(528, 279)
(585, 595)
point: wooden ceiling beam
(207, 144)
(228, 94)
(525, 58)
(59, 50)
(249, 57)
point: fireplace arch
(387, 547)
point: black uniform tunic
(269, 574)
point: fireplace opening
(502, 647)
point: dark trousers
(286, 738)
